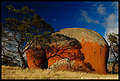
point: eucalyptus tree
(21, 26)
(113, 39)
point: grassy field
(9, 72)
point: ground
(10, 72)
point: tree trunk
(21, 56)
(113, 67)
(22, 60)
(116, 61)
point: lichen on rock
(93, 46)
(77, 49)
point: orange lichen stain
(33, 59)
(71, 54)
(53, 60)
(95, 55)
(30, 58)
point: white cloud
(111, 24)
(84, 14)
(111, 21)
(101, 10)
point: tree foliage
(23, 25)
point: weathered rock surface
(63, 64)
(36, 58)
(76, 49)
(93, 46)
(60, 47)
(63, 47)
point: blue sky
(101, 17)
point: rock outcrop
(63, 47)
(36, 56)
(75, 49)
(93, 46)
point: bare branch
(28, 46)
(112, 50)
(4, 48)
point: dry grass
(9, 72)
(110, 68)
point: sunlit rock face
(74, 49)
(36, 58)
(64, 53)
(93, 46)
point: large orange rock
(63, 47)
(93, 46)
(60, 47)
(84, 49)
(67, 48)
